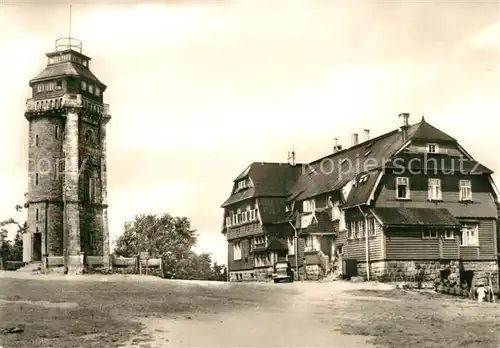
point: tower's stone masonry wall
(44, 158)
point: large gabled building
(409, 199)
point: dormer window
(432, 148)
(308, 206)
(363, 178)
(85, 63)
(242, 184)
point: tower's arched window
(56, 103)
(36, 139)
(57, 132)
(50, 104)
(36, 179)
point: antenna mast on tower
(69, 36)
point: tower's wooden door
(37, 247)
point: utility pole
(296, 239)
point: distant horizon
(198, 91)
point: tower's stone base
(75, 264)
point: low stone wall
(405, 270)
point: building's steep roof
(437, 163)
(66, 69)
(268, 180)
(416, 217)
(272, 209)
(429, 132)
(332, 172)
(361, 191)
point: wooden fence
(95, 264)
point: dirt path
(300, 324)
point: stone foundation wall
(258, 274)
(377, 269)
(404, 270)
(482, 269)
(312, 272)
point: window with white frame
(238, 216)
(432, 148)
(228, 221)
(429, 234)
(39, 88)
(252, 215)
(354, 229)
(362, 229)
(236, 250)
(50, 86)
(259, 241)
(242, 184)
(84, 86)
(262, 260)
(470, 234)
(402, 188)
(357, 231)
(313, 243)
(449, 234)
(371, 226)
(233, 218)
(434, 189)
(465, 190)
(291, 246)
(309, 206)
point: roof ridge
(364, 143)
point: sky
(200, 89)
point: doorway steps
(31, 267)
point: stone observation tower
(66, 199)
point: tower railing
(67, 100)
(68, 43)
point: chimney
(367, 134)
(336, 146)
(405, 125)
(355, 139)
(291, 156)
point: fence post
(161, 267)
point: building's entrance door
(37, 246)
